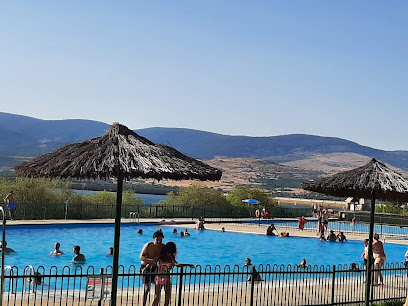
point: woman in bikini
(379, 258)
(167, 261)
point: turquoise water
(34, 242)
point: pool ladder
(31, 279)
(134, 217)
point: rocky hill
(243, 159)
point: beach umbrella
(251, 201)
(120, 154)
(373, 181)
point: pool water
(33, 243)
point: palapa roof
(119, 152)
(374, 179)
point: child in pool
(167, 260)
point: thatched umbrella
(122, 154)
(373, 181)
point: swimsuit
(149, 273)
(11, 206)
(164, 279)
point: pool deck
(212, 224)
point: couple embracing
(157, 259)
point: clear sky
(258, 68)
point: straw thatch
(374, 179)
(119, 152)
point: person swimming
(284, 234)
(223, 229)
(57, 250)
(6, 249)
(175, 231)
(186, 233)
(110, 253)
(139, 232)
(181, 234)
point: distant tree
(244, 192)
(171, 199)
(129, 197)
(196, 195)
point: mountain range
(23, 137)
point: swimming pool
(33, 244)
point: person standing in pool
(79, 257)
(149, 257)
(11, 204)
(57, 250)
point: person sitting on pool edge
(332, 236)
(270, 229)
(57, 250)
(341, 237)
(200, 225)
(322, 237)
(79, 257)
(139, 232)
(6, 249)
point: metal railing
(229, 285)
(105, 211)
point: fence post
(253, 273)
(180, 287)
(97, 209)
(333, 283)
(45, 209)
(102, 287)
(80, 212)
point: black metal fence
(105, 211)
(237, 285)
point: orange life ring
(257, 213)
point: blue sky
(258, 68)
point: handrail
(3, 255)
(133, 215)
(31, 279)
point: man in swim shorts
(149, 257)
(11, 204)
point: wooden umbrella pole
(370, 253)
(115, 265)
